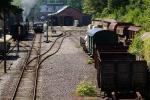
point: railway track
(26, 87)
(54, 48)
(47, 52)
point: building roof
(76, 14)
(60, 10)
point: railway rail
(54, 48)
(28, 80)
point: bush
(146, 51)
(136, 46)
(86, 89)
(141, 47)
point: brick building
(66, 16)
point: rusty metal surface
(134, 28)
(113, 26)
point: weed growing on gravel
(90, 61)
(86, 89)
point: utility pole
(19, 32)
(4, 46)
(47, 41)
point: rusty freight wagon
(118, 71)
(122, 32)
(115, 24)
(132, 31)
(97, 23)
(106, 24)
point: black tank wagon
(100, 36)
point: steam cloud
(27, 5)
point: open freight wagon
(118, 71)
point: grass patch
(90, 61)
(86, 89)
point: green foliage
(90, 61)
(5, 7)
(105, 12)
(141, 46)
(146, 50)
(16, 3)
(136, 47)
(131, 15)
(86, 89)
(94, 7)
(110, 4)
(5, 4)
(75, 3)
(135, 11)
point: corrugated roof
(63, 8)
(93, 31)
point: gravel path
(60, 74)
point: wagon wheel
(97, 59)
(97, 66)
(99, 75)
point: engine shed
(67, 15)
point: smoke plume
(27, 5)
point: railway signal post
(4, 52)
(18, 33)
(46, 31)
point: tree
(110, 4)
(94, 7)
(4, 6)
(16, 3)
(75, 3)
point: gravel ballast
(61, 73)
